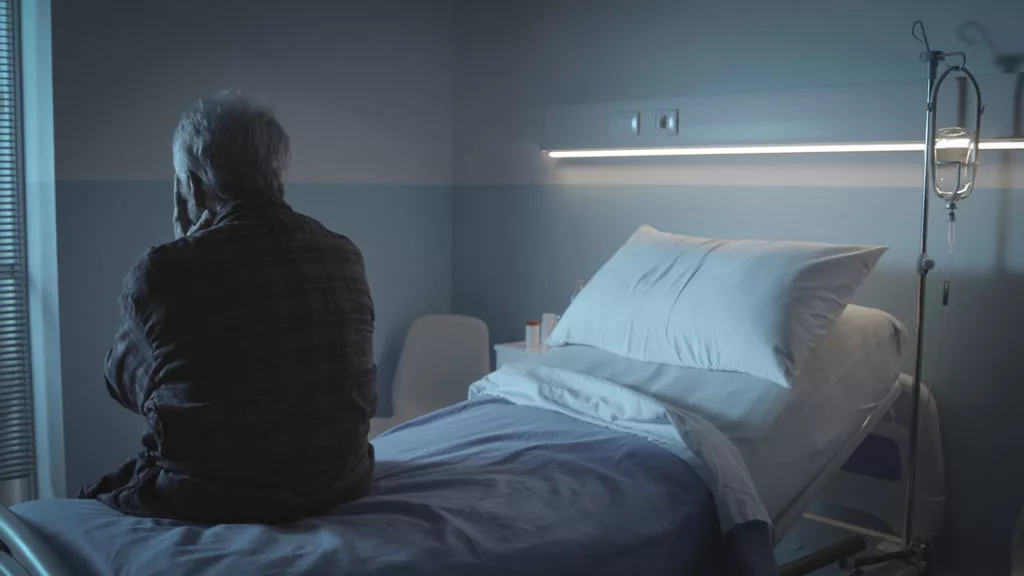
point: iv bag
(956, 164)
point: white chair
(442, 355)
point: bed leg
(828, 555)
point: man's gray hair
(237, 149)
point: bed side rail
(27, 550)
(824, 557)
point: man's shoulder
(164, 260)
(344, 242)
(165, 254)
(154, 265)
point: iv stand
(915, 553)
(924, 265)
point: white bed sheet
(786, 436)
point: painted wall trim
(41, 212)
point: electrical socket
(665, 122)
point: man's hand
(183, 224)
(181, 221)
(205, 221)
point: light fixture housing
(951, 143)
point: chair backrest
(443, 354)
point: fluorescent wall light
(770, 149)
(1002, 145)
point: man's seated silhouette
(246, 343)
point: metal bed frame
(23, 553)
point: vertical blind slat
(17, 457)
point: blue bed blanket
(484, 487)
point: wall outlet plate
(625, 122)
(665, 122)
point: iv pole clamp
(913, 554)
(925, 264)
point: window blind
(17, 453)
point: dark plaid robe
(248, 349)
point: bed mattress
(791, 439)
(482, 487)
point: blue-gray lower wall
(518, 249)
(404, 233)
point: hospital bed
(497, 487)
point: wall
(364, 90)
(526, 227)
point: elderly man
(246, 343)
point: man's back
(248, 348)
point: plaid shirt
(248, 349)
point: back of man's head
(234, 148)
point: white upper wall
(355, 114)
(516, 59)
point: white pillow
(752, 306)
(862, 350)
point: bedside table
(516, 353)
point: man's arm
(129, 362)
